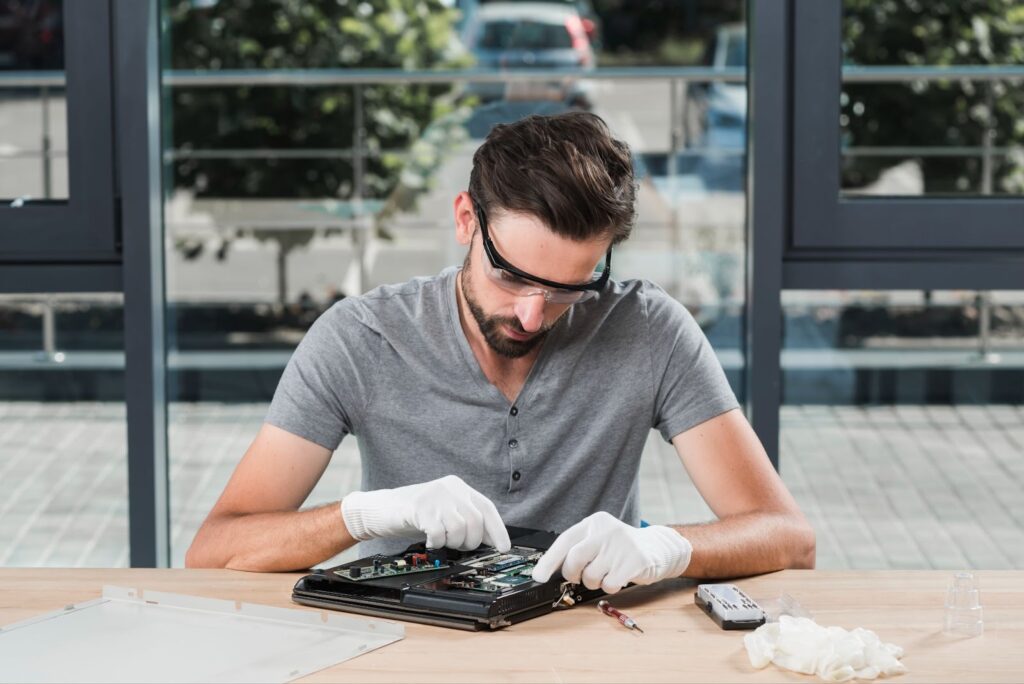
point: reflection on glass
(63, 457)
(33, 110)
(284, 198)
(506, 34)
(900, 434)
(936, 33)
(530, 36)
(922, 347)
(929, 135)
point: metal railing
(677, 77)
(319, 77)
(45, 80)
(360, 79)
(906, 74)
(987, 75)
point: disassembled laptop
(473, 590)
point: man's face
(513, 325)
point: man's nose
(530, 312)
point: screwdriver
(626, 621)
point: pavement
(904, 487)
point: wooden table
(582, 645)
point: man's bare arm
(256, 525)
(760, 527)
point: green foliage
(292, 34)
(947, 113)
(661, 32)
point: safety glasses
(522, 284)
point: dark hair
(565, 169)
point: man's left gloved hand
(606, 553)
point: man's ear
(465, 219)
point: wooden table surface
(582, 645)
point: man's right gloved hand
(448, 511)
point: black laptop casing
(438, 597)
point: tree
(957, 113)
(320, 121)
(661, 32)
(292, 34)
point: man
(519, 389)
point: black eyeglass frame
(497, 261)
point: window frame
(84, 227)
(822, 217)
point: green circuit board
(489, 571)
(497, 572)
(379, 567)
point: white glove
(448, 511)
(605, 552)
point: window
(900, 430)
(56, 143)
(63, 456)
(524, 35)
(33, 108)
(907, 137)
(285, 196)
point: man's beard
(490, 326)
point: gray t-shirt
(393, 367)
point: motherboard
(479, 589)
(485, 570)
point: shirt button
(514, 411)
(513, 443)
(516, 475)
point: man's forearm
(270, 542)
(749, 544)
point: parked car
(716, 114)
(530, 35)
(591, 20)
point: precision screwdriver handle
(608, 609)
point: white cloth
(447, 510)
(832, 653)
(602, 551)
